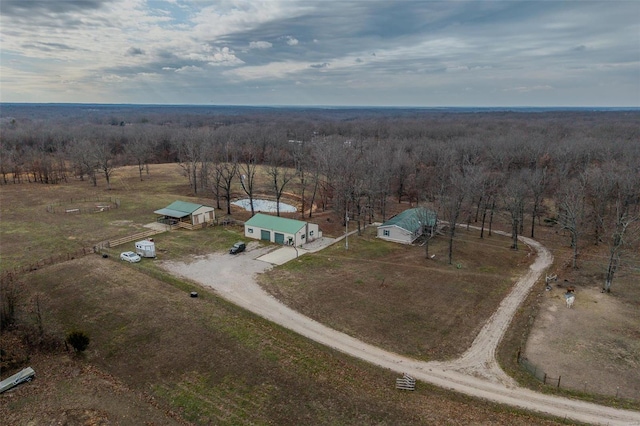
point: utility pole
(346, 230)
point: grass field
(391, 296)
(161, 357)
(205, 361)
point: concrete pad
(157, 226)
(282, 255)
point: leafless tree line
(580, 171)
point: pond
(264, 206)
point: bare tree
(191, 147)
(247, 171)
(104, 158)
(451, 201)
(79, 151)
(140, 148)
(626, 214)
(537, 181)
(429, 222)
(571, 204)
(227, 169)
(300, 154)
(513, 196)
(600, 182)
(490, 187)
(5, 160)
(279, 173)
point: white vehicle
(130, 256)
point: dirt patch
(594, 346)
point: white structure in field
(146, 248)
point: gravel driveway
(476, 373)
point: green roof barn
(184, 212)
(281, 230)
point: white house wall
(304, 235)
(255, 234)
(396, 234)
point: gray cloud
(30, 8)
(47, 47)
(135, 51)
(332, 52)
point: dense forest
(577, 169)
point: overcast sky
(288, 52)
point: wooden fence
(191, 227)
(63, 257)
(557, 382)
(51, 260)
(129, 238)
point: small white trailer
(25, 375)
(146, 248)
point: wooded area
(578, 170)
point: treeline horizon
(577, 168)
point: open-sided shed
(186, 212)
(281, 230)
(405, 227)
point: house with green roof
(405, 227)
(281, 230)
(184, 212)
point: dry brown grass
(208, 362)
(390, 295)
(160, 356)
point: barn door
(265, 235)
(279, 238)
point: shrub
(78, 340)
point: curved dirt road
(476, 373)
(479, 360)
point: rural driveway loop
(476, 373)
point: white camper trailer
(146, 248)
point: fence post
(544, 379)
(559, 377)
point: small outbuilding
(186, 213)
(281, 230)
(405, 227)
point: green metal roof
(275, 223)
(412, 219)
(179, 209)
